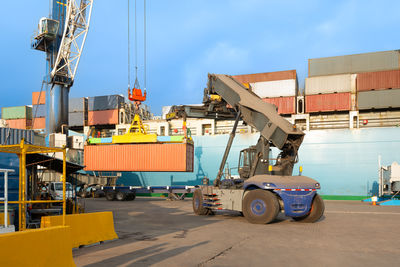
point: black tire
(197, 203)
(120, 196)
(316, 211)
(110, 195)
(260, 206)
(131, 196)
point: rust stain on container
(35, 98)
(285, 105)
(266, 76)
(19, 123)
(100, 117)
(328, 102)
(379, 80)
(39, 123)
(156, 157)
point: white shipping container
(275, 88)
(76, 142)
(58, 140)
(344, 83)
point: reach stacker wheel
(316, 211)
(197, 202)
(260, 206)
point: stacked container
(341, 83)
(78, 112)
(279, 88)
(17, 117)
(330, 93)
(104, 110)
(377, 90)
(39, 110)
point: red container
(266, 76)
(101, 117)
(35, 98)
(19, 123)
(39, 123)
(285, 105)
(155, 157)
(378, 80)
(328, 102)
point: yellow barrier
(37, 247)
(86, 228)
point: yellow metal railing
(22, 150)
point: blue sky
(188, 39)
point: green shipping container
(22, 112)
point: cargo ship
(349, 109)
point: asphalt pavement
(158, 232)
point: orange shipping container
(39, 123)
(285, 105)
(19, 123)
(328, 102)
(266, 76)
(156, 157)
(100, 117)
(35, 98)
(378, 80)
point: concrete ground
(157, 232)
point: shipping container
(343, 83)
(367, 62)
(266, 76)
(13, 136)
(379, 99)
(105, 102)
(100, 117)
(78, 104)
(19, 123)
(39, 111)
(275, 88)
(21, 112)
(328, 102)
(285, 105)
(38, 123)
(378, 80)
(39, 98)
(76, 119)
(153, 157)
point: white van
(56, 190)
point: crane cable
(129, 54)
(136, 85)
(145, 57)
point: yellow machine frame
(137, 133)
(22, 150)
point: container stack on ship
(361, 85)
(279, 88)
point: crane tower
(62, 37)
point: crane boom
(256, 113)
